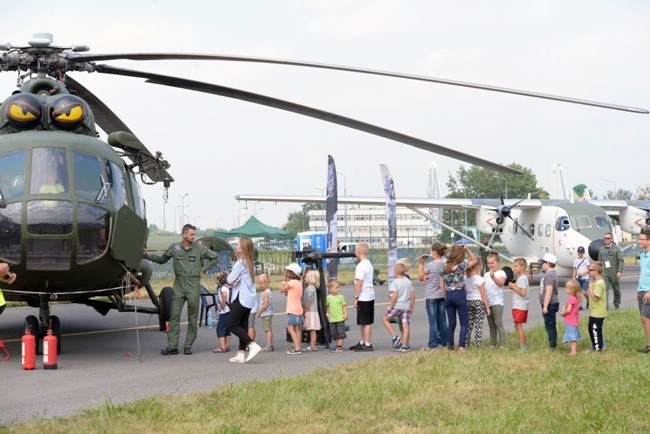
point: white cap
(549, 257)
(295, 268)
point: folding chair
(208, 301)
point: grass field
(442, 391)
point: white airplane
(528, 228)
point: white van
(347, 248)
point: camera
(425, 257)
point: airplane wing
(619, 205)
(416, 202)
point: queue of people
(455, 293)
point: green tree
(643, 193)
(481, 183)
(298, 221)
(620, 194)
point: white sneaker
(254, 350)
(239, 358)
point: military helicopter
(72, 217)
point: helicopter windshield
(10, 232)
(12, 174)
(49, 171)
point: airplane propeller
(504, 211)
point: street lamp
(615, 189)
(182, 220)
(505, 183)
(345, 217)
(175, 208)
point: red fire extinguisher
(50, 344)
(29, 349)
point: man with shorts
(364, 298)
(643, 292)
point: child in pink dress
(572, 316)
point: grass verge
(442, 391)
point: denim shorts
(294, 319)
(644, 308)
(571, 333)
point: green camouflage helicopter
(72, 217)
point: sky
(218, 148)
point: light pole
(505, 183)
(345, 216)
(175, 208)
(182, 216)
(615, 189)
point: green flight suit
(612, 260)
(188, 265)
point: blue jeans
(437, 322)
(456, 302)
(550, 324)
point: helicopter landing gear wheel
(31, 323)
(56, 331)
(164, 306)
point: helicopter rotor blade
(305, 111)
(286, 62)
(110, 122)
(104, 116)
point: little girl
(477, 303)
(495, 278)
(310, 306)
(571, 316)
(223, 308)
(292, 286)
(266, 310)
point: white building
(371, 225)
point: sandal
(220, 350)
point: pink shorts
(519, 316)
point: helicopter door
(128, 238)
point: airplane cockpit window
(12, 175)
(581, 222)
(87, 175)
(10, 232)
(562, 223)
(602, 221)
(116, 181)
(49, 171)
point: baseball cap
(581, 249)
(549, 257)
(295, 268)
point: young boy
(337, 314)
(364, 298)
(402, 302)
(266, 310)
(597, 305)
(520, 300)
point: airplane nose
(594, 247)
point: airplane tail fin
(558, 171)
(580, 193)
(433, 191)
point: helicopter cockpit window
(10, 232)
(23, 110)
(562, 223)
(94, 225)
(87, 175)
(12, 175)
(51, 217)
(138, 200)
(49, 171)
(116, 181)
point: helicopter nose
(594, 247)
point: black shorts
(365, 312)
